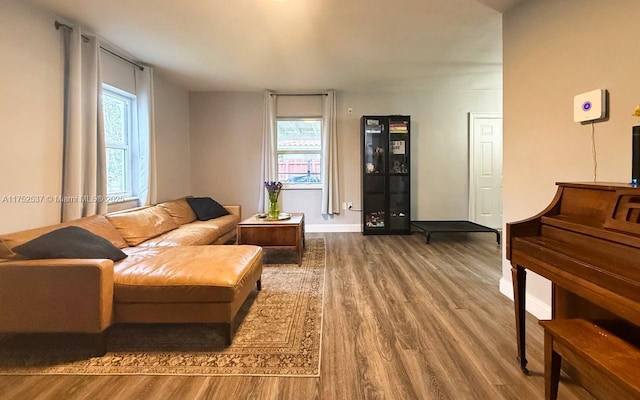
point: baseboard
(535, 306)
(333, 228)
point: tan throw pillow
(179, 210)
(141, 224)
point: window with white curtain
(299, 152)
(119, 110)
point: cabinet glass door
(375, 168)
(399, 174)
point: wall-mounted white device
(590, 106)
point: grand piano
(587, 243)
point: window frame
(130, 147)
(300, 185)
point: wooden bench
(609, 363)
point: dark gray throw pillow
(69, 242)
(206, 208)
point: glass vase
(274, 211)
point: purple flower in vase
(273, 188)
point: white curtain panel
(84, 182)
(330, 178)
(147, 177)
(269, 166)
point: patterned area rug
(279, 333)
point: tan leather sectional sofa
(170, 275)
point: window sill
(114, 199)
(302, 187)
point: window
(299, 151)
(118, 110)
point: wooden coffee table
(286, 234)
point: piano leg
(519, 278)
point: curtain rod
(299, 94)
(59, 25)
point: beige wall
(439, 144)
(172, 138)
(552, 51)
(226, 143)
(226, 132)
(30, 115)
(31, 102)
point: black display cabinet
(386, 175)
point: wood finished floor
(402, 320)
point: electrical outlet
(349, 110)
(344, 205)
(349, 205)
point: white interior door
(485, 169)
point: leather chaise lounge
(170, 275)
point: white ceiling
(302, 44)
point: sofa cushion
(101, 226)
(97, 224)
(141, 224)
(184, 235)
(223, 225)
(70, 242)
(206, 208)
(180, 211)
(185, 274)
